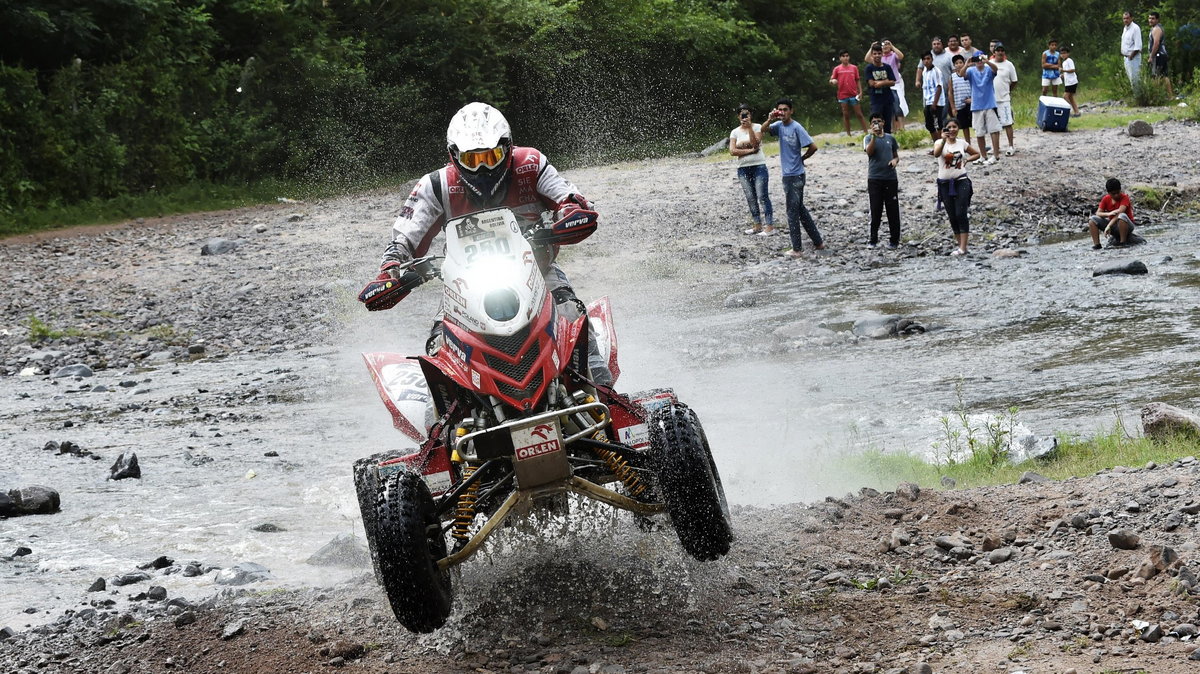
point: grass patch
(1076, 456)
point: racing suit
(534, 186)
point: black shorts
(1070, 88)
(1159, 65)
(933, 118)
(964, 117)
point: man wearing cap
(1131, 48)
(1006, 79)
(981, 75)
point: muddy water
(1070, 352)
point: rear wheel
(689, 483)
(408, 546)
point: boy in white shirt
(1070, 80)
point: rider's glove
(393, 284)
(572, 203)
(574, 221)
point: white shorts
(1004, 113)
(985, 122)
(1054, 82)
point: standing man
(1158, 53)
(1051, 77)
(967, 49)
(944, 62)
(883, 153)
(792, 139)
(933, 95)
(879, 78)
(1131, 48)
(981, 75)
(845, 77)
(1006, 80)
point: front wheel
(408, 546)
(689, 483)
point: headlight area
(502, 304)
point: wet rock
(130, 578)
(156, 593)
(21, 552)
(77, 370)
(242, 573)
(1034, 447)
(344, 550)
(218, 246)
(1133, 267)
(1139, 128)
(803, 331)
(268, 528)
(887, 326)
(185, 618)
(34, 500)
(742, 299)
(1030, 476)
(7, 633)
(160, 562)
(1123, 539)
(126, 466)
(1161, 421)
(908, 490)
(98, 586)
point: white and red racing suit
(535, 187)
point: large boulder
(1161, 421)
(34, 500)
(1121, 267)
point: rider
(487, 171)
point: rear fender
(432, 462)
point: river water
(1069, 351)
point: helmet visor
(473, 159)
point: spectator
(883, 153)
(1115, 212)
(954, 187)
(880, 78)
(967, 49)
(982, 77)
(845, 77)
(792, 139)
(954, 46)
(894, 58)
(745, 143)
(933, 95)
(1158, 53)
(943, 61)
(960, 99)
(1131, 49)
(1006, 79)
(1051, 78)
(1070, 80)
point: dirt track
(801, 592)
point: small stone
(1151, 634)
(126, 466)
(1030, 476)
(1139, 128)
(949, 483)
(21, 551)
(156, 593)
(185, 618)
(78, 370)
(98, 586)
(1000, 555)
(908, 490)
(599, 623)
(1123, 539)
(268, 528)
(196, 349)
(233, 629)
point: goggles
(473, 159)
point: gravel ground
(1013, 578)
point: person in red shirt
(1114, 216)
(849, 89)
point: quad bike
(509, 421)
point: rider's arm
(552, 187)
(420, 220)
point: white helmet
(480, 145)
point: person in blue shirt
(794, 139)
(981, 74)
(1051, 69)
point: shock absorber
(620, 467)
(464, 512)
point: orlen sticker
(533, 441)
(636, 436)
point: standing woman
(745, 143)
(954, 187)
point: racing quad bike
(508, 421)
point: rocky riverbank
(218, 360)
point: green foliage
(911, 139)
(39, 330)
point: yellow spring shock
(619, 466)
(464, 512)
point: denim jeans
(754, 184)
(793, 191)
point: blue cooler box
(1053, 113)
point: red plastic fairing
(464, 358)
(403, 390)
(600, 313)
(432, 462)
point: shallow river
(1070, 352)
